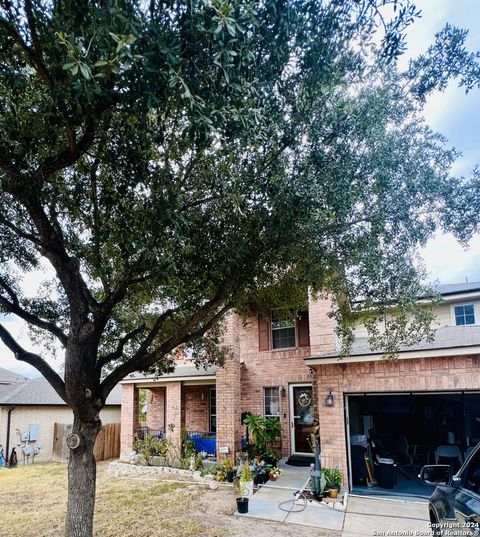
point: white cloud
(448, 262)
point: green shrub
(149, 446)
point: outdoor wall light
(329, 399)
(283, 391)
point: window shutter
(303, 330)
(263, 333)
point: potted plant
(333, 478)
(229, 470)
(270, 457)
(246, 481)
(274, 473)
(242, 501)
(264, 432)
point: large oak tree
(174, 160)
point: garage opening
(391, 436)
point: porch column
(129, 417)
(156, 408)
(175, 418)
(228, 386)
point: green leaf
(67, 66)
(85, 70)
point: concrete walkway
(366, 515)
(274, 501)
(362, 517)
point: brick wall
(424, 374)
(229, 389)
(129, 417)
(197, 407)
(155, 408)
(175, 417)
(281, 368)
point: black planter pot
(242, 506)
(230, 475)
(260, 479)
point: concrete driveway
(368, 516)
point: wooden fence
(107, 445)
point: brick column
(228, 385)
(322, 334)
(175, 412)
(129, 417)
(155, 408)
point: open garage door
(400, 432)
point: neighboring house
(292, 370)
(32, 406)
(9, 377)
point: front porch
(185, 401)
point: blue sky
(453, 113)
(456, 115)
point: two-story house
(429, 395)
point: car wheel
(436, 529)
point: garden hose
(293, 504)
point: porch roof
(182, 372)
(448, 341)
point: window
(283, 329)
(213, 411)
(271, 398)
(464, 315)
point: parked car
(454, 506)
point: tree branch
(15, 308)
(7, 167)
(142, 359)
(30, 53)
(19, 232)
(117, 353)
(201, 331)
(35, 361)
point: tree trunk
(82, 473)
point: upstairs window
(283, 329)
(464, 314)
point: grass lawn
(33, 502)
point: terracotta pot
(273, 477)
(332, 493)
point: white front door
(301, 417)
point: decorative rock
(213, 485)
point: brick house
(289, 368)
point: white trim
(402, 355)
(292, 415)
(187, 381)
(461, 296)
(349, 447)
